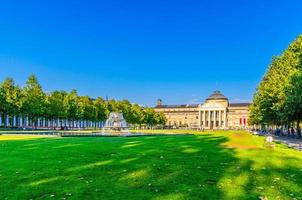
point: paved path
(291, 142)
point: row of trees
(278, 99)
(31, 101)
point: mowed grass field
(207, 165)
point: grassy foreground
(208, 165)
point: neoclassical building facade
(216, 112)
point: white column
(199, 118)
(7, 121)
(224, 118)
(26, 121)
(21, 121)
(214, 119)
(209, 118)
(39, 121)
(204, 118)
(14, 121)
(219, 118)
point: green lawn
(208, 165)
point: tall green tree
(71, 105)
(85, 109)
(33, 99)
(101, 110)
(10, 97)
(149, 117)
(277, 100)
(137, 115)
(160, 118)
(55, 108)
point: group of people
(290, 132)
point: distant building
(215, 113)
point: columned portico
(212, 113)
(212, 118)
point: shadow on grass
(154, 167)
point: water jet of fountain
(116, 124)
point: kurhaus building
(216, 112)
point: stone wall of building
(238, 116)
(215, 113)
(180, 117)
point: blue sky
(179, 51)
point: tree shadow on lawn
(264, 173)
(273, 182)
(154, 167)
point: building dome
(217, 96)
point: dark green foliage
(55, 105)
(10, 95)
(33, 98)
(277, 100)
(33, 102)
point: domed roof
(217, 95)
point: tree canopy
(31, 101)
(278, 98)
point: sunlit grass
(19, 137)
(206, 165)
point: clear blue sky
(179, 51)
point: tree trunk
(298, 127)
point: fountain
(116, 123)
